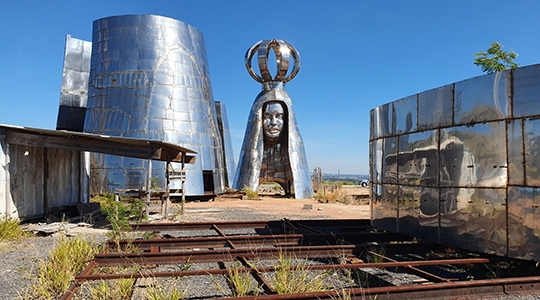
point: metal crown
(283, 51)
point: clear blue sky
(356, 55)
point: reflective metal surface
(74, 93)
(435, 108)
(273, 149)
(466, 173)
(149, 79)
(230, 164)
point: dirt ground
(272, 208)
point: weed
(241, 282)
(294, 276)
(66, 260)
(377, 253)
(120, 213)
(116, 289)
(251, 194)
(10, 229)
(158, 293)
(335, 195)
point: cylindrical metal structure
(459, 164)
(149, 79)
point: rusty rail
(297, 239)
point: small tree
(495, 59)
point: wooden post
(168, 189)
(149, 188)
(183, 181)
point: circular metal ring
(282, 50)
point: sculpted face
(273, 121)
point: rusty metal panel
(418, 158)
(526, 89)
(435, 108)
(405, 114)
(523, 225)
(419, 212)
(532, 152)
(384, 212)
(516, 157)
(474, 156)
(389, 164)
(484, 98)
(475, 219)
(27, 180)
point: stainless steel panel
(474, 156)
(405, 114)
(147, 71)
(226, 141)
(389, 163)
(419, 212)
(526, 91)
(516, 157)
(523, 225)
(484, 98)
(435, 108)
(384, 207)
(418, 158)
(474, 219)
(74, 92)
(381, 121)
(532, 152)
(376, 148)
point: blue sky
(356, 55)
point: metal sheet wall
(223, 122)
(149, 79)
(74, 93)
(459, 164)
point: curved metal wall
(460, 164)
(149, 79)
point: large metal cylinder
(149, 79)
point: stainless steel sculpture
(149, 79)
(74, 94)
(223, 124)
(273, 149)
(460, 164)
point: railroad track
(353, 260)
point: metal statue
(273, 150)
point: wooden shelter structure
(42, 168)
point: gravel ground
(19, 260)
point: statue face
(273, 121)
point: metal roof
(121, 146)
